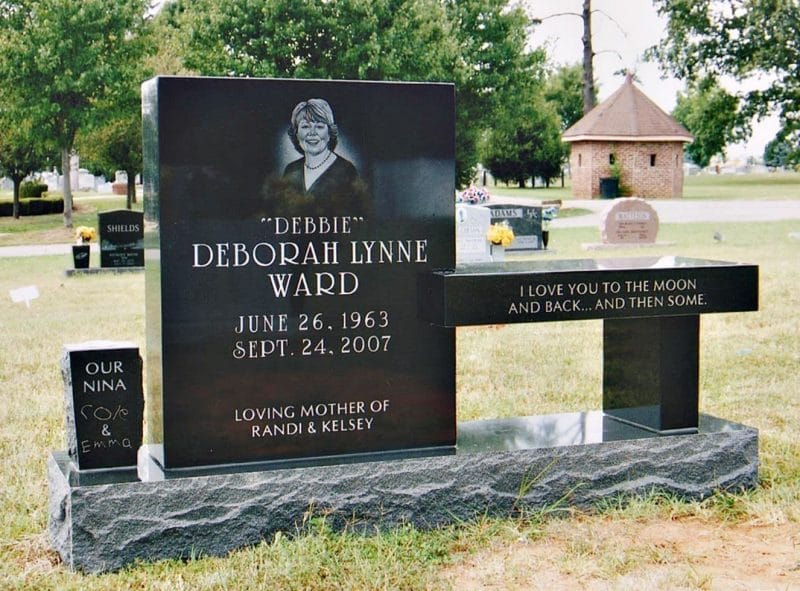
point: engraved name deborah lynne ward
(321, 181)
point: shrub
(34, 206)
(31, 190)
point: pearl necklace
(320, 164)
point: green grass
(48, 229)
(749, 374)
(776, 185)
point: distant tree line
(70, 71)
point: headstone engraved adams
(524, 220)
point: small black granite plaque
(105, 403)
(282, 267)
(121, 238)
(524, 220)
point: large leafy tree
(709, 112)
(113, 139)
(744, 39)
(61, 58)
(565, 92)
(493, 71)
(778, 153)
(22, 151)
(354, 39)
(116, 145)
(526, 143)
(477, 44)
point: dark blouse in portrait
(338, 191)
(341, 176)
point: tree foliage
(116, 145)
(744, 39)
(477, 44)
(709, 113)
(526, 143)
(779, 154)
(22, 151)
(60, 58)
(564, 92)
(493, 72)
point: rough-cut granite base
(501, 466)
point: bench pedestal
(651, 372)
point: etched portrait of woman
(321, 181)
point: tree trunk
(17, 182)
(521, 183)
(66, 171)
(131, 189)
(588, 56)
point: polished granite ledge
(104, 520)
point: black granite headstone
(524, 220)
(121, 238)
(650, 308)
(105, 403)
(547, 291)
(281, 310)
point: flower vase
(498, 253)
(80, 256)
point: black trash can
(609, 188)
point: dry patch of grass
(601, 553)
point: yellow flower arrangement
(500, 234)
(85, 234)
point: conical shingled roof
(627, 115)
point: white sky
(635, 27)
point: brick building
(632, 130)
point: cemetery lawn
(757, 187)
(49, 229)
(749, 374)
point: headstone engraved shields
(281, 305)
(121, 238)
(104, 402)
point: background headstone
(104, 403)
(525, 221)
(121, 238)
(282, 326)
(472, 223)
(629, 220)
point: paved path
(39, 250)
(670, 211)
(676, 211)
